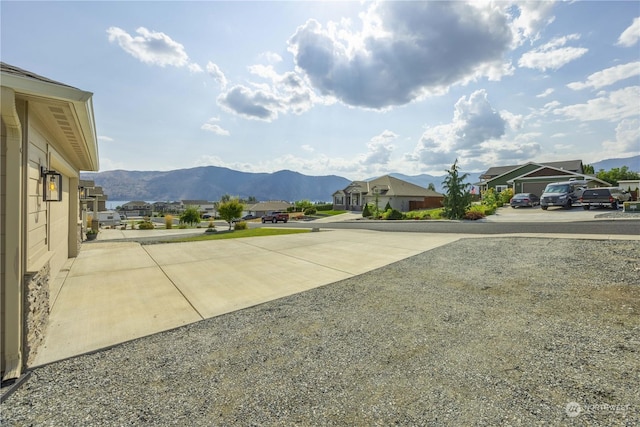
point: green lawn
(329, 213)
(255, 232)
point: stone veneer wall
(36, 306)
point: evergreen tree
(387, 207)
(457, 198)
(366, 212)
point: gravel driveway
(498, 331)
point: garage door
(536, 188)
(59, 229)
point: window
(501, 188)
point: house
(203, 206)
(167, 207)
(137, 208)
(401, 195)
(533, 177)
(633, 185)
(262, 208)
(92, 198)
(48, 136)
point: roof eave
(81, 102)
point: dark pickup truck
(610, 197)
(275, 217)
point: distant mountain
(212, 182)
(633, 163)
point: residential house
(533, 177)
(137, 208)
(633, 185)
(167, 207)
(48, 136)
(203, 206)
(400, 195)
(92, 197)
(262, 208)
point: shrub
(310, 211)
(489, 198)
(387, 207)
(191, 216)
(168, 221)
(484, 210)
(394, 214)
(240, 225)
(366, 213)
(146, 225)
(182, 226)
(505, 197)
(473, 215)
(324, 207)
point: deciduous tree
(230, 210)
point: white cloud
(474, 135)
(307, 148)
(270, 57)
(613, 106)
(545, 93)
(105, 138)
(627, 139)
(532, 16)
(379, 149)
(283, 94)
(152, 47)
(214, 71)
(552, 55)
(608, 76)
(195, 68)
(630, 36)
(210, 127)
(406, 50)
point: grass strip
(238, 234)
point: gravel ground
(498, 331)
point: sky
(354, 89)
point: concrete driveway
(118, 291)
(552, 214)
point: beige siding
(59, 233)
(3, 198)
(36, 208)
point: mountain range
(212, 182)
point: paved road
(626, 227)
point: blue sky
(356, 89)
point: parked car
(207, 216)
(248, 217)
(275, 217)
(563, 194)
(524, 199)
(611, 197)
